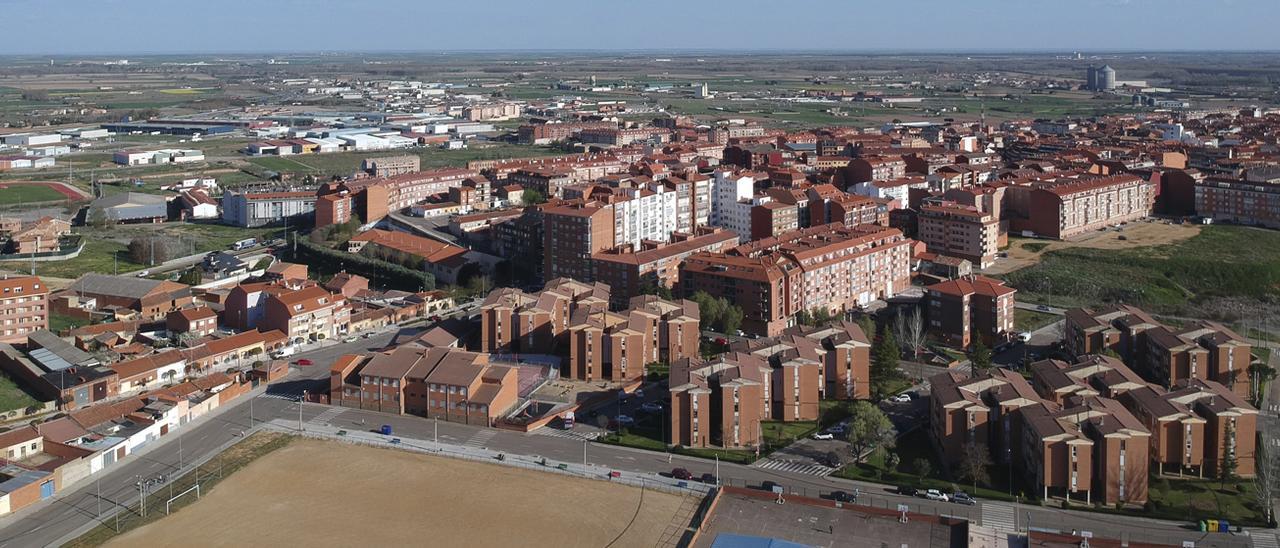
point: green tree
(891, 462)
(191, 276)
(869, 429)
(821, 316)
(98, 218)
(732, 320)
(1227, 467)
(980, 355)
(973, 465)
(532, 196)
(803, 318)
(884, 362)
(651, 287)
(922, 467)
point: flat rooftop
(815, 522)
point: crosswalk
(480, 439)
(795, 467)
(1000, 517)
(328, 415)
(1264, 539)
(569, 434)
(279, 396)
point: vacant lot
(1025, 252)
(1229, 272)
(314, 493)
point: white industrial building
(31, 139)
(161, 156)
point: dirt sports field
(314, 493)
(1025, 252)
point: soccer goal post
(169, 502)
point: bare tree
(915, 332)
(1265, 482)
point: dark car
(907, 491)
(681, 474)
(708, 478)
(963, 498)
(833, 459)
(769, 486)
(434, 318)
(841, 496)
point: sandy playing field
(314, 493)
(1139, 234)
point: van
(284, 352)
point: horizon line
(612, 51)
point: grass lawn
(1221, 261)
(1263, 353)
(913, 446)
(1034, 247)
(1192, 500)
(25, 194)
(103, 247)
(284, 165)
(59, 322)
(12, 397)
(1030, 320)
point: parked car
(351, 339)
(708, 478)
(961, 497)
(434, 318)
(841, 496)
(721, 341)
(934, 494)
(1024, 336)
(833, 460)
(900, 398)
(651, 407)
(838, 429)
(1043, 308)
(823, 436)
(769, 485)
(625, 420)
(681, 474)
(639, 394)
(304, 361)
(907, 491)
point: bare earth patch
(1140, 234)
(314, 493)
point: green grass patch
(283, 165)
(1030, 320)
(1221, 261)
(26, 194)
(1191, 500)
(59, 323)
(1263, 353)
(1035, 247)
(13, 397)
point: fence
(529, 462)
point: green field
(1221, 261)
(106, 251)
(1030, 320)
(26, 194)
(12, 397)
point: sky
(87, 27)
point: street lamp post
(300, 402)
(584, 452)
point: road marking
(794, 467)
(1264, 539)
(1000, 517)
(480, 439)
(569, 434)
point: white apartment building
(731, 202)
(650, 213)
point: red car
(303, 361)
(681, 474)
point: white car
(900, 398)
(1024, 336)
(934, 494)
(823, 436)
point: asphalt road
(51, 520)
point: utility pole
(435, 429)
(300, 401)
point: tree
(190, 276)
(820, 316)
(980, 355)
(1227, 467)
(718, 314)
(187, 339)
(869, 428)
(98, 218)
(1261, 373)
(922, 467)
(915, 332)
(1264, 482)
(533, 196)
(973, 466)
(651, 287)
(891, 462)
(148, 250)
(884, 362)
(803, 317)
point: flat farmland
(315, 493)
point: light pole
(584, 452)
(435, 429)
(300, 401)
